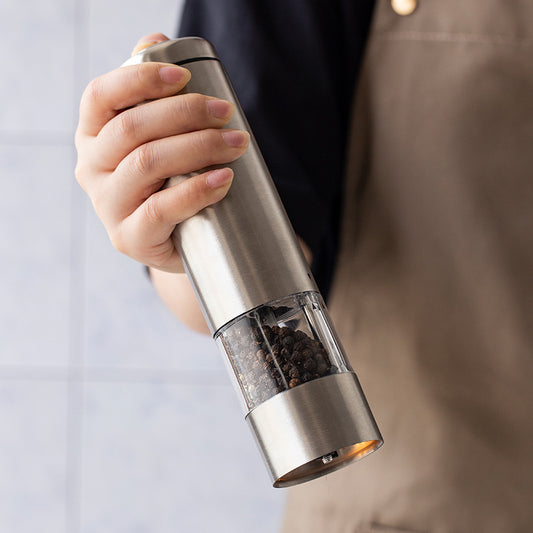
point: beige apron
(434, 292)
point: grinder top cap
(178, 52)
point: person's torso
(434, 293)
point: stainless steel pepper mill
(304, 403)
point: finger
(147, 41)
(125, 87)
(155, 120)
(146, 234)
(144, 171)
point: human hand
(126, 151)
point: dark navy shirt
(294, 64)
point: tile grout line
(162, 376)
(75, 385)
(35, 138)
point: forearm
(177, 294)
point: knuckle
(205, 143)
(85, 170)
(124, 124)
(195, 105)
(93, 91)
(145, 159)
(146, 75)
(191, 111)
(117, 240)
(152, 210)
(84, 174)
(192, 192)
(80, 172)
(139, 70)
(78, 138)
(211, 146)
(186, 110)
(138, 73)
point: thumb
(148, 40)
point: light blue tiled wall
(113, 417)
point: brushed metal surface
(241, 252)
(314, 429)
(176, 51)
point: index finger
(109, 94)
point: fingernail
(235, 138)
(171, 75)
(218, 178)
(139, 47)
(220, 108)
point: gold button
(404, 7)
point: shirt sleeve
(294, 65)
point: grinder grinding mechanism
(304, 403)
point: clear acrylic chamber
(304, 403)
(281, 345)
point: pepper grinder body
(304, 403)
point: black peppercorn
(309, 364)
(270, 359)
